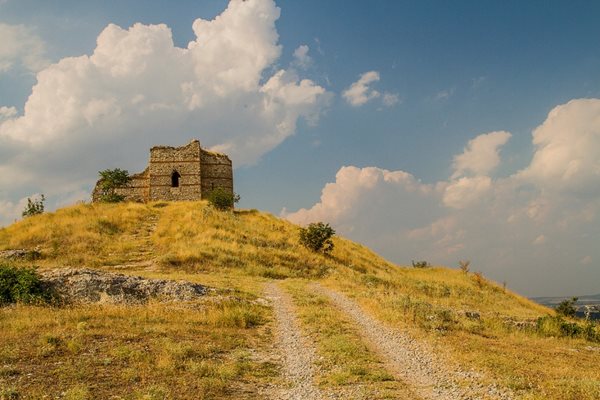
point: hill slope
(461, 317)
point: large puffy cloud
(7, 113)
(356, 187)
(357, 201)
(138, 89)
(20, 47)
(465, 192)
(480, 156)
(567, 155)
(536, 229)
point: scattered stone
(472, 315)
(92, 286)
(297, 351)
(521, 324)
(20, 254)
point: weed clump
(222, 199)
(558, 326)
(420, 264)
(34, 207)
(21, 285)
(479, 280)
(317, 237)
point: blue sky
(394, 169)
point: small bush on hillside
(557, 326)
(567, 307)
(317, 237)
(464, 265)
(222, 199)
(22, 285)
(34, 207)
(420, 264)
(111, 179)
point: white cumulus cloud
(301, 58)
(20, 47)
(494, 222)
(480, 156)
(137, 89)
(7, 112)
(360, 92)
(466, 191)
(567, 155)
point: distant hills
(582, 303)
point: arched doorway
(175, 178)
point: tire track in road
(413, 362)
(297, 352)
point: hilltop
(347, 305)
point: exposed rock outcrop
(20, 254)
(92, 286)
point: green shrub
(111, 179)
(557, 326)
(420, 264)
(34, 207)
(567, 307)
(222, 199)
(112, 198)
(317, 237)
(21, 285)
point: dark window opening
(175, 179)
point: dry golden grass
(86, 234)
(431, 303)
(157, 351)
(189, 240)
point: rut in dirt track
(413, 361)
(298, 353)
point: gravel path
(298, 353)
(413, 361)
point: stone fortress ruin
(177, 173)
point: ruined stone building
(177, 173)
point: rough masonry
(177, 173)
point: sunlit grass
(237, 252)
(86, 234)
(503, 342)
(194, 351)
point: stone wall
(185, 161)
(197, 172)
(137, 190)
(216, 172)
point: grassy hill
(92, 351)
